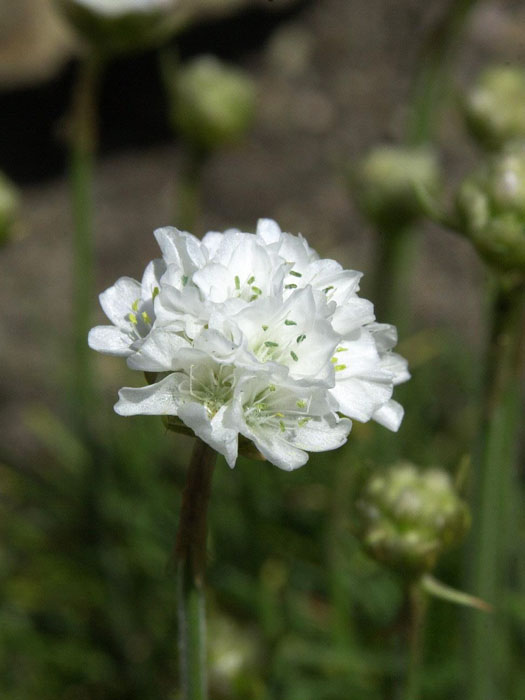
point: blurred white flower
(253, 335)
(114, 8)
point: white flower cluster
(252, 335)
(114, 8)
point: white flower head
(253, 336)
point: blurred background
(296, 609)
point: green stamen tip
(257, 290)
(271, 387)
(265, 328)
(301, 403)
(251, 280)
(133, 319)
(254, 297)
(327, 289)
(290, 286)
(289, 323)
(295, 274)
(156, 292)
(145, 317)
(282, 426)
(279, 415)
(237, 282)
(341, 349)
(271, 344)
(294, 356)
(184, 280)
(135, 305)
(302, 422)
(300, 338)
(340, 368)
(333, 360)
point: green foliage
(296, 610)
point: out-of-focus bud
(234, 654)
(387, 180)
(212, 104)
(495, 108)
(119, 26)
(490, 206)
(408, 517)
(9, 209)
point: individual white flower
(253, 335)
(129, 306)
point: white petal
(151, 277)
(117, 301)
(109, 340)
(322, 434)
(390, 415)
(360, 398)
(214, 281)
(268, 230)
(385, 335)
(355, 312)
(221, 439)
(276, 450)
(397, 365)
(158, 352)
(159, 399)
(180, 248)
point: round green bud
(406, 517)
(495, 108)
(386, 183)
(119, 26)
(490, 205)
(9, 209)
(212, 104)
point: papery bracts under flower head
(252, 335)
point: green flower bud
(387, 180)
(212, 104)
(9, 208)
(119, 27)
(407, 517)
(495, 108)
(490, 206)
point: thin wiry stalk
(83, 140)
(190, 562)
(493, 478)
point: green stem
(82, 154)
(418, 609)
(430, 85)
(493, 486)
(189, 189)
(397, 254)
(190, 559)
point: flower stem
(397, 246)
(81, 166)
(493, 483)
(189, 188)
(418, 608)
(396, 255)
(190, 560)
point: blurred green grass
(297, 611)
